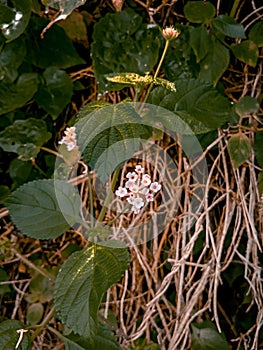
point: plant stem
(109, 197)
(234, 8)
(51, 151)
(167, 42)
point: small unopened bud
(169, 33)
(117, 4)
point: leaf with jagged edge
(83, 280)
(44, 209)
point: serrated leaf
(200, 42)
(98, 132)
(256, 34)
(215, 62)
(246, 105)
(247, 52)
(13, 96)
(259, 147)
(11, 57)
(54, 50)
(83, 280)
(44, 209)
(56, 92)
(34, 313)
(206, 337)
(239, 149)
(9, 335)
(122, 43)
(13, 28)
(228, 26)
(198, 104)
(25, 137)
(199, 12)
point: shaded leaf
(13, 96)
(197, 103)
(11, 57)
(256, 34)
(25, 137)
(4, 277)
(56, 92)
(44, 209)
(110, 136)
(83, 280)
(75, 28)
(228, 26)
(9, 335)
(239, 149)
(215, 62)
(122, 43)
(200, 42)
(35, 313)
(206, 337)
(6, 14)
(40, 290)
(246, 52)
(20, 170)
(13, 28)
(246, 105)
(54, 50)
(199, 12)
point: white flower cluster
(69, 139)
(139, 189)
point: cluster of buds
(139, 189)
(169, 33)
(69, 139)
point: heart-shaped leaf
(44, 209)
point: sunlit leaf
(83, 280)
(44, 209)
(239, 149)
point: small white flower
(121, 192)
(149, 197)
(139, 169)
(155, 187)
(135, 210)
(138, 202)
(146, 180)
(130, 199)
(69, 139)
(134, 188)
(132, 176)
(128, 184)
(144, 191)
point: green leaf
(206, 337)
(260, 183)
(13, 28)
(4, 193)
(83, 280)
(215, 62)
(200, 42)
(13, 96)
(44, 209)
(4, 277)
(11, 57)
(25, 137)
(122, 43)
(35, 313)
(259, 147)
(20, 170)
(65, 7)
(228, 26)
(54, 50)
(199, 12)
(110, 136)
(246, 105)
(256, 34)
(246, 52)
(55, 93)
(76, 28)
(6, 14)
(40, 290)
(239, 149)
(9, 336)
(197, 103)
